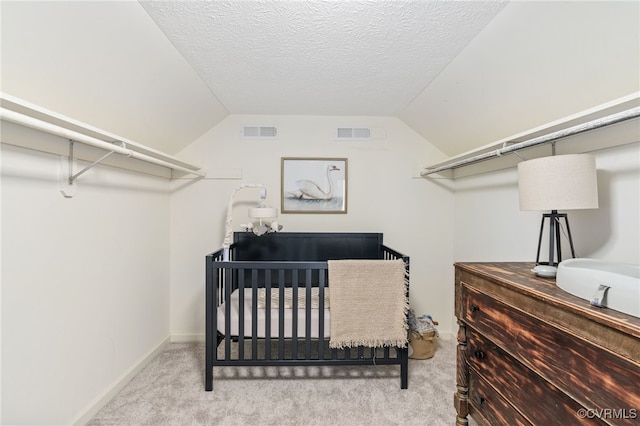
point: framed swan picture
(314, 185)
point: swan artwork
(309, 190)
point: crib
(267, 305)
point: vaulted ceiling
(460, 73)
(319, 57)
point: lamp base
(554, 238)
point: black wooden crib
(268, 304)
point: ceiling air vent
(353, 133)
(259, 132)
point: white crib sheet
(274, 327)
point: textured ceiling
(320, 57)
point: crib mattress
(275, 316)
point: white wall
(613, 231)
(415, 215)
(85, 284)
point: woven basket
(422, 346)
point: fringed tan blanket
(368, 303)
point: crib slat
(294, 312)
(241, 314)
(254, 314)
(307, 320)
(227, 313)
(321, 290)
(281, 315)
(267, 314)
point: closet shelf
(24, 114)
(618, 118)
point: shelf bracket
(73, 176)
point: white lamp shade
(263, 212)
(561, 182)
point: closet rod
(550, 137)
(34, 123)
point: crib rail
(303, 342)
(246, 278)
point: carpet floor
(170, 391)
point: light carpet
(170, 391)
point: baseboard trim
(101, 400)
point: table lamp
(559, 182)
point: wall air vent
(259, 132)
(353, 133)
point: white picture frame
(314, 185)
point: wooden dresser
(531, 354)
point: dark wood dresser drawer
(530, 353)
(574, 365)
(492, 408)
(539, 401)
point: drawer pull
(478, 354)
(474, 308)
